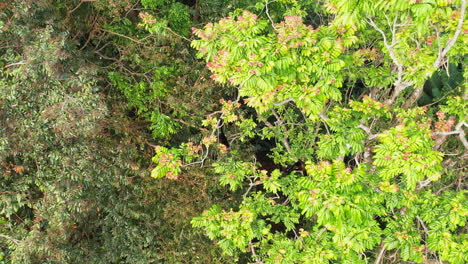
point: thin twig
(251, 185)
(16, 63)
(424, 183)
(180, 36)
(324, 117)
(254, 255)
(426, 230)
(82, 1)
(285, 130)
(90, 34)
(268, 14)
(120, 35)
(324, 121)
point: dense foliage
(228, 131)
(74, 183)
(360, 168)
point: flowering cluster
(443, 124)
(292, 33)
(168, 163)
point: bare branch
(284, 102)
(426, 230)
(424, 183)
(12, 239)
(367, 130)
(399, 84)
(254, 255)
(180, 36)
(439, 61)
(121, 35)
(388, 46)
(280, 123)
(16, 63)
(324, 121)
(82, 1)
(446, 133)
(251, 185)
(267, 123)
(324, 117)
(458, 130)
(381, 254)
(363, 127)
(268, 14)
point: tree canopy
(287, 131)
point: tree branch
(324, 121)
(426, 230)
(251, 185)
(82, 1)
(121, 35)
(280, 123)
(440, 60)
(458, 130)
(381, 254)
(254, 255)
(424, 183)
(12, 239)
(16, 63)
(367, 130)
(324, 117)
(180, 36)
(399, 84)
(268, 14)
(284, 102)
